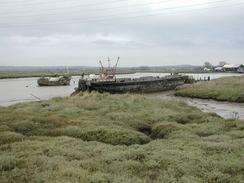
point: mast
(109, 64)
(109, 72)
(102, 68)
(115, 66)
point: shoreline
(25, 74)
(224, 109)
(229, 89)
(95, 134)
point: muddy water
(14, 91)
(226, 110)
(194, 75)
(203, 76)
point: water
(194, 75)
(212, 75)
(226, 110)
(14, 91)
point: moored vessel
(139, 85)
(54, 81)
(107, 82)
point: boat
(107, 82)
(128, 85)
(54, 81)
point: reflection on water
(13, 91)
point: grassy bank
(20, 72)
(224, 89)
(118, 138)
(28, 74)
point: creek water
(226, 110)
(14, 91)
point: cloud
(64, 39)
(43, 33)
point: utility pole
(109, 65)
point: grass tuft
(96, 137)
(224, 89)
(7, 137)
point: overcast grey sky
(145, 32)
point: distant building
(240, 69)
(219, 69)
(207, 69)
(230, 67)
(226, 68)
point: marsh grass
(224, 89)
(27, 74)
(118, 138)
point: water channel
(14, 91)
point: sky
(142, 33)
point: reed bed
(118, 138)
(224, 89)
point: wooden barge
(107, 82)
(139, 85)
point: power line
(121, 18)
(169, 8)
(112, 18)
(90, 10)
(64, 1)
(100, 3)
(112, 15)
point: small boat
(54, 81)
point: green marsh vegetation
(118, 138)
(224, 89)
(21, 72)
(27, 74)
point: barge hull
(147, 86)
